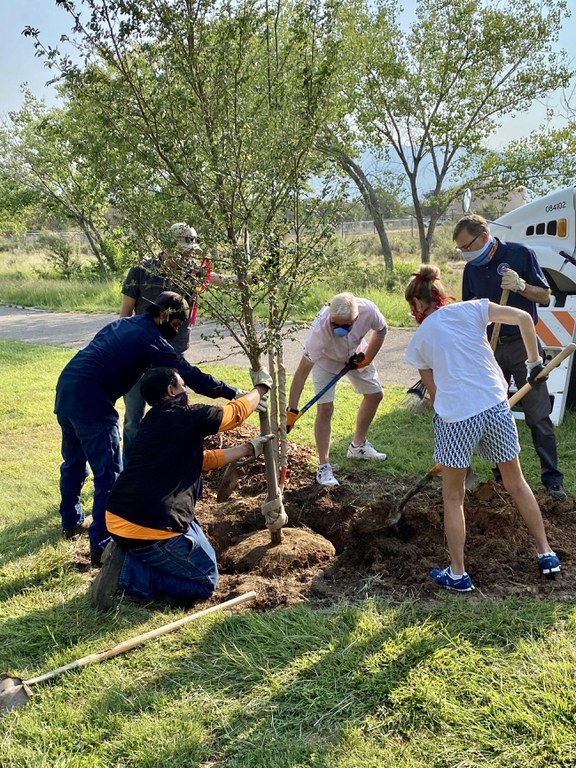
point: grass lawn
(455, 682)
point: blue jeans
(135, 406)
(98, 444)
(183, 566)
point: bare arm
(302, 373)
(427, 376)
(375, 343)
(537, 294)
(514, 316)
(127, 306)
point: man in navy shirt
(87, 391)
(493, 266)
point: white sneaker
(324, 475)
(366, 451)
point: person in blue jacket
(86, 393)
(492, 266)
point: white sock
(545, 554)
(455, 575)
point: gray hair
(344, 305)
(472, 223)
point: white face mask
(480, 257)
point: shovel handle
(133, 642)
(496, 330)
(554, 363)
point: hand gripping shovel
(437, 468)
(350, 365)
(230, 477)
(15, 692)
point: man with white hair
(337, 336)
(144, 283)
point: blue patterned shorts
(492, 433)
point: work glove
(532, 370)
(359, 360)
(262, 405)
(261, 377)
(259, 442)
(292, 416)
(512, 281)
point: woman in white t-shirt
(457, 366)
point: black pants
(511, 357)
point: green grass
(455, 683)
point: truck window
(530, 230)
(540, 228)
(551, 228)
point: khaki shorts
(364, 380)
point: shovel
(230, 479)
(15, 692)
(437, 468)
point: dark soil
(339, 541)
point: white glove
(512, 281)
(274, 515)
(261, 377)
(259, 442)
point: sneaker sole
(366, 458)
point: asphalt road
(208, 344)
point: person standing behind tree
(493, 266)
(338, 335)
(142, 286)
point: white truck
(548, 227)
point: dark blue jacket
(112, 363)
(485, 282)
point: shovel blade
(14, 693)
(229, 482)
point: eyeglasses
(191, 239)
(346, 326)
(467, 246)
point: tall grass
(26, 281)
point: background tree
(48, 152)
(429, 98)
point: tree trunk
(369, 197)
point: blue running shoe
(446, 579)
(548, 563)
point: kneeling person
(158, 547)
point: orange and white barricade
(556, 328)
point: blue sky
(18, 63)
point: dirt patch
(339, 541)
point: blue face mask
(479, 258)
(340, 331)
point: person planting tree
(337, 338)
(453, 355)
(158, 547)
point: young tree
(430, 97)
(213, 109)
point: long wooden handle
(554, 363)
(496, 330)
(133, 642)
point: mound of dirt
(339, 541)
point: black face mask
(167, 331)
